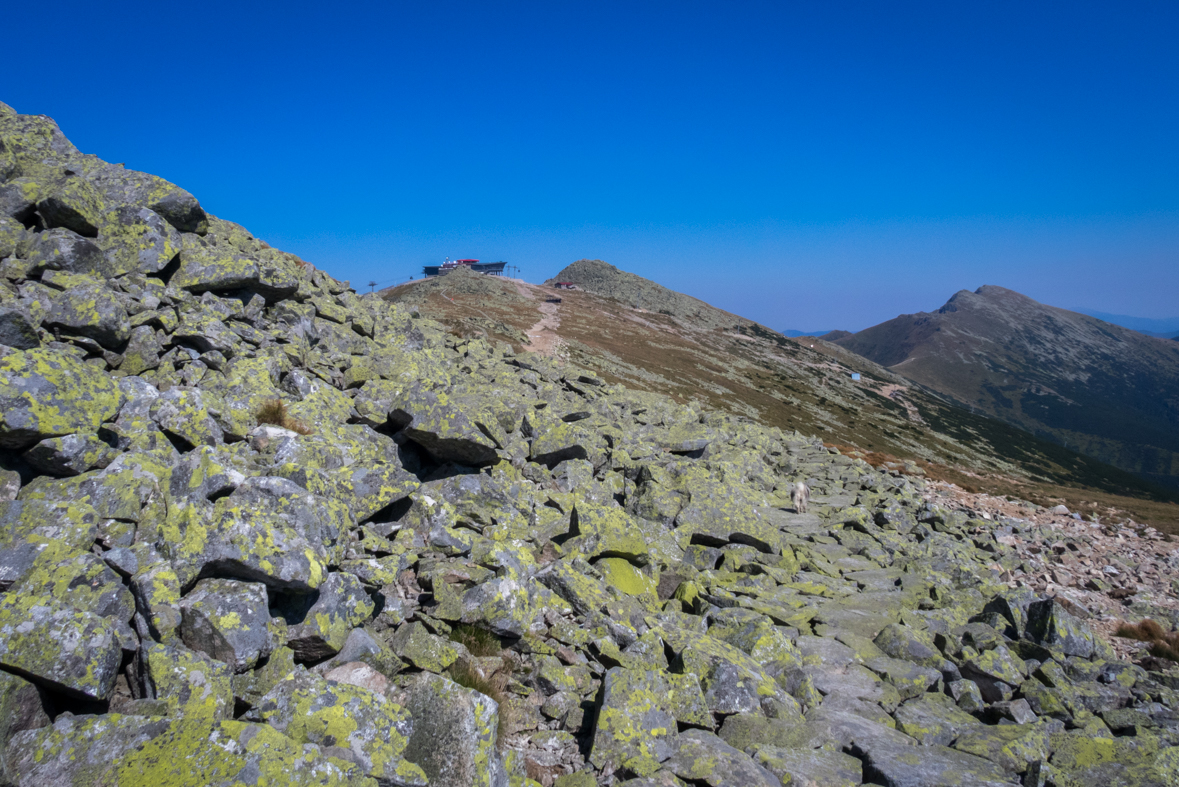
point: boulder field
(258, 529)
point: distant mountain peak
(1091, 385)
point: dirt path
(542, 337)
(525, 289)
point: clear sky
(808, 165)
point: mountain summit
(1104, 390)
(602, 278)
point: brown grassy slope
(737, 365)
(1098, 388)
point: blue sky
(808, 165)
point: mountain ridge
(1101, 388)
(747, 369)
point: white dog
(801, 497)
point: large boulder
(1048, 623)
(189, 681)
(341, 605)
(17, 330)
(48, 393)
(73, 203)
(453, 428)
(66, 250)
(638, 722)
(454, 733)
(229, 621)
(139, 240)
(703, 758)
(70, 455)
(898, 765)
(184, 752)
(59, 647)
(348, 722)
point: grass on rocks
(469, 674)
(480, 642)
(274, 412)
(1163, 644)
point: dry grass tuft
(545, 774)
(479, 641)
(466, 672)
(1163, 644)
(274, 411)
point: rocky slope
(1104, 390)
(466, 565)
(733, 364)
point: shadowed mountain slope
(1106, 391)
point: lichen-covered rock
(1048, 623)
(342, 604)
(132, 750)
(733, 682)
(810, 766)
(92, 311)
(422, 649)
(622, 571)
(934, 720)
(903, 642)
(361, 647)
(58, 646)
(916, 766)
(244, 541)
(229, 621)
(73, 524)
(157, 596)
(47, 393)
(73, 203)
(250, 687)
(139, 239)
(65, 250)
(454, 734)
(909, 679)
(17, 330)
(346, 721)
(82, 580)
(1083, 758)
(606, 531)
(638, 723)
(182, 413)
(703, 758)
(209, 266)
(452, 428)
(1013, 747)
(508, 606)
(70, 455)
(993, 669)
(754, 634)
(193, 684)
(21, 708)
